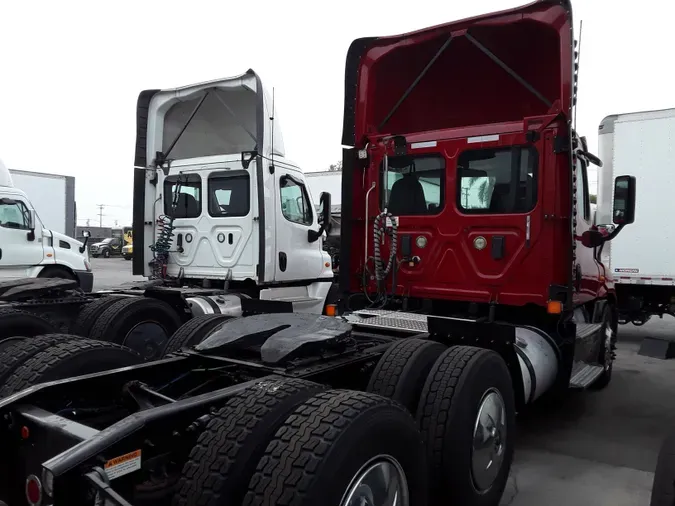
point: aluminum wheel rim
(489, 440)
(380, 482)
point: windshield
(107, 241)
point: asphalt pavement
(594, 448)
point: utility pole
(100, 214)
(465, 191)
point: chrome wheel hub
(489, 440)
(381, 482)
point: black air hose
(379, 229)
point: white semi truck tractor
(28, 249)
(223, 224)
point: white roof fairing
(227, 120)
(5, 176)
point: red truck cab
(463, 149)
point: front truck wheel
(143, 324)
(467, 418)
(663, 487)
(343, 448)
(402, 370)
(66, 359)
(224, 459)
(609, 329)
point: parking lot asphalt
(594, 448)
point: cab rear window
(183, 196)
(497, 181)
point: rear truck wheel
(607, 352)
(467, 418)
(67, 359)
(20, 350)
(143, 324)
(90, 313)
(193, 332)
(343, 448)
(663, 486)
(15, 322)
(106, 253)
(402, 370)
(224, 459)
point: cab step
(583, 375)
(586, 330)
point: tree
(335, 166)
(594, 199)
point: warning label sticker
(124, 464)
(629, 271)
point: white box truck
(641, 259)
(52, 195)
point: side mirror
(623, 211)
(324, 200)
(86, 234)
(31, 225)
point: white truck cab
(216, 201)
(28, 249)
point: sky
(72, 70)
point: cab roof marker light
(482, 138)
(420, 145)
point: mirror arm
(614, 233)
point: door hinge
(561, 144)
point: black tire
(327, 441)
(224, 459)
(193, 332)
(608, 320)
(95, 256)
(68, 359)
(128, 258)
(20, 351)
(447, 414)
(106, 253)
(57, 272)
(90, 313)
(15, 322)
(402, 370)
(663, 486)
(124, 316)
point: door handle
(283, 260)
(0, 253)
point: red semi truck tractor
(470, 286)
(469, 219)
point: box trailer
(640, 260)
(52, 195)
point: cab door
(18, 251)
(297, 258)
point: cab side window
(14, 214)
(295, 204)
(583, 197)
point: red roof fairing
(463, 86)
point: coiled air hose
(379, 230)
